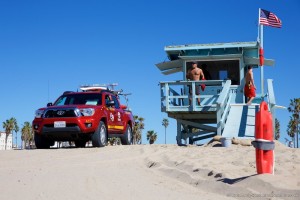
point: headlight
(87, 111)
(39, 113)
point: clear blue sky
(48, 47)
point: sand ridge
(147, 172)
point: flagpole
(261, 42)
(262, 67)
(258, 25)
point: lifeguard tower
(222, 110)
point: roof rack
(100, 87)
(110, 87)
(94, 87)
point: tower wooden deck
(222, 110)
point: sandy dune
(147, 172)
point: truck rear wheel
(127, 137)
(99, 138)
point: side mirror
(49, 104)
(110, 103)
(123, 107)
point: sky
(48, 47)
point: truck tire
(127, 137)
(99, 138)
(41, 142)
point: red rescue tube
(261, 57)
(264, 140)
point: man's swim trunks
(249, 91)
(197, 87)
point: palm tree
(10, 125)
(151, 136)
(8, 129)
(165, 123)
(293, 127)
(291, 130)
(277, 129)
(16, 129)
(141, 127)
(27, 134)
(137, 129)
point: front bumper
(62, 134)
(76, 128)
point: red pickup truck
(94, 114)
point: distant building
(2, 141)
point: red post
(264, 140)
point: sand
(147, 172)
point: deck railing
(175, 97)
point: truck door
(111, 111)
(119, 115)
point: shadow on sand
(235, 180)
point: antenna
(48, 89)
(125, 97)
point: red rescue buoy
(261, 57)
(264, 140)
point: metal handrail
(223, 106)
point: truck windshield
(79, 99)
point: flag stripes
(269, 19)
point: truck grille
(57, 113)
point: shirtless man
(195, 74)
(249, 89)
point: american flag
(269, 19)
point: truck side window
(61, 101)
(107, 99)
(116, 102)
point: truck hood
(68, 107)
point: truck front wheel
(99, 138)
(41, 142)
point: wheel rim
(129, 134)
(102, 134)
